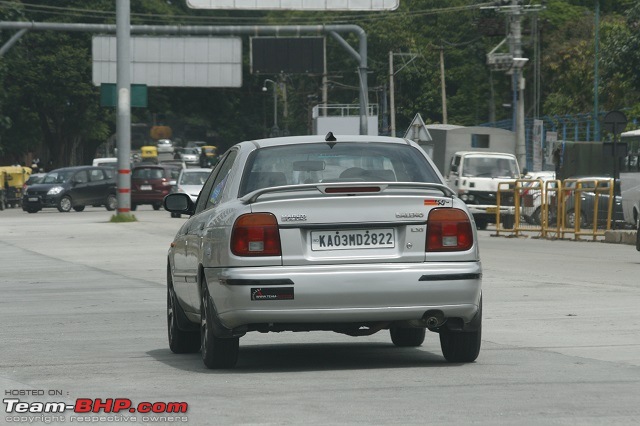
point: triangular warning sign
(417, 130)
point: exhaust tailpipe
(433, 319)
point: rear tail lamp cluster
(256, 234)
(165, 182)
(449, 230)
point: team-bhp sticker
(272, 293)
(96, 405)
(94, 410)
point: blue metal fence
(576, 127)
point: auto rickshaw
(149, 154)
(12, 178)
(208, 155)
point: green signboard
(109, 95)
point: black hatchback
(72, 188)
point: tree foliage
(50, 107)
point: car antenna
(331, 139)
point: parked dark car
(150, 183)
(588, 196)
(72, 188)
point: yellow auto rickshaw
(208, 155)
(12, 178)
(149, 154)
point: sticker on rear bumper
(272, 293)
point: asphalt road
(82, 308)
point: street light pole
(275, 128)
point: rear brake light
(256, 234)
(352, 189)
(449, 230)
(165, 182)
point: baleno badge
(409, 215)
(294, 217)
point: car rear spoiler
(343, 188)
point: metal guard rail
(554, 208)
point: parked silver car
(351, 234)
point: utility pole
(596, 108)
(513, 63)
(392, 73)
(123, 120)
(442, 87)
(515, 46)
(392, 104)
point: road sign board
(417, 130)
(615, 122)
(326, 5)
(109, 95)
(173, 61)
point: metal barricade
(553, 209)
(506, 197)
(586, 207)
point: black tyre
(78, 208)
(407, 337)
(481, 224)
(536, 217)
(508, 221)
(112, 202)
(64, 205)
(571, 219)
(29, 210)
(180, 341)
(216, 352)
(156, 206)
(178, 215)
(462, 346)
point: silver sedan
(351, 234)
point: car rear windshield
(148, 173)
(341, 162)
(194, 178)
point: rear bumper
(346, 293)
(146, 197)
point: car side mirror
(179, 203)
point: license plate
(350, 239)
(35, 199)
(145, 187)
(492, 210)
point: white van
(105, 162)
(475, 177)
